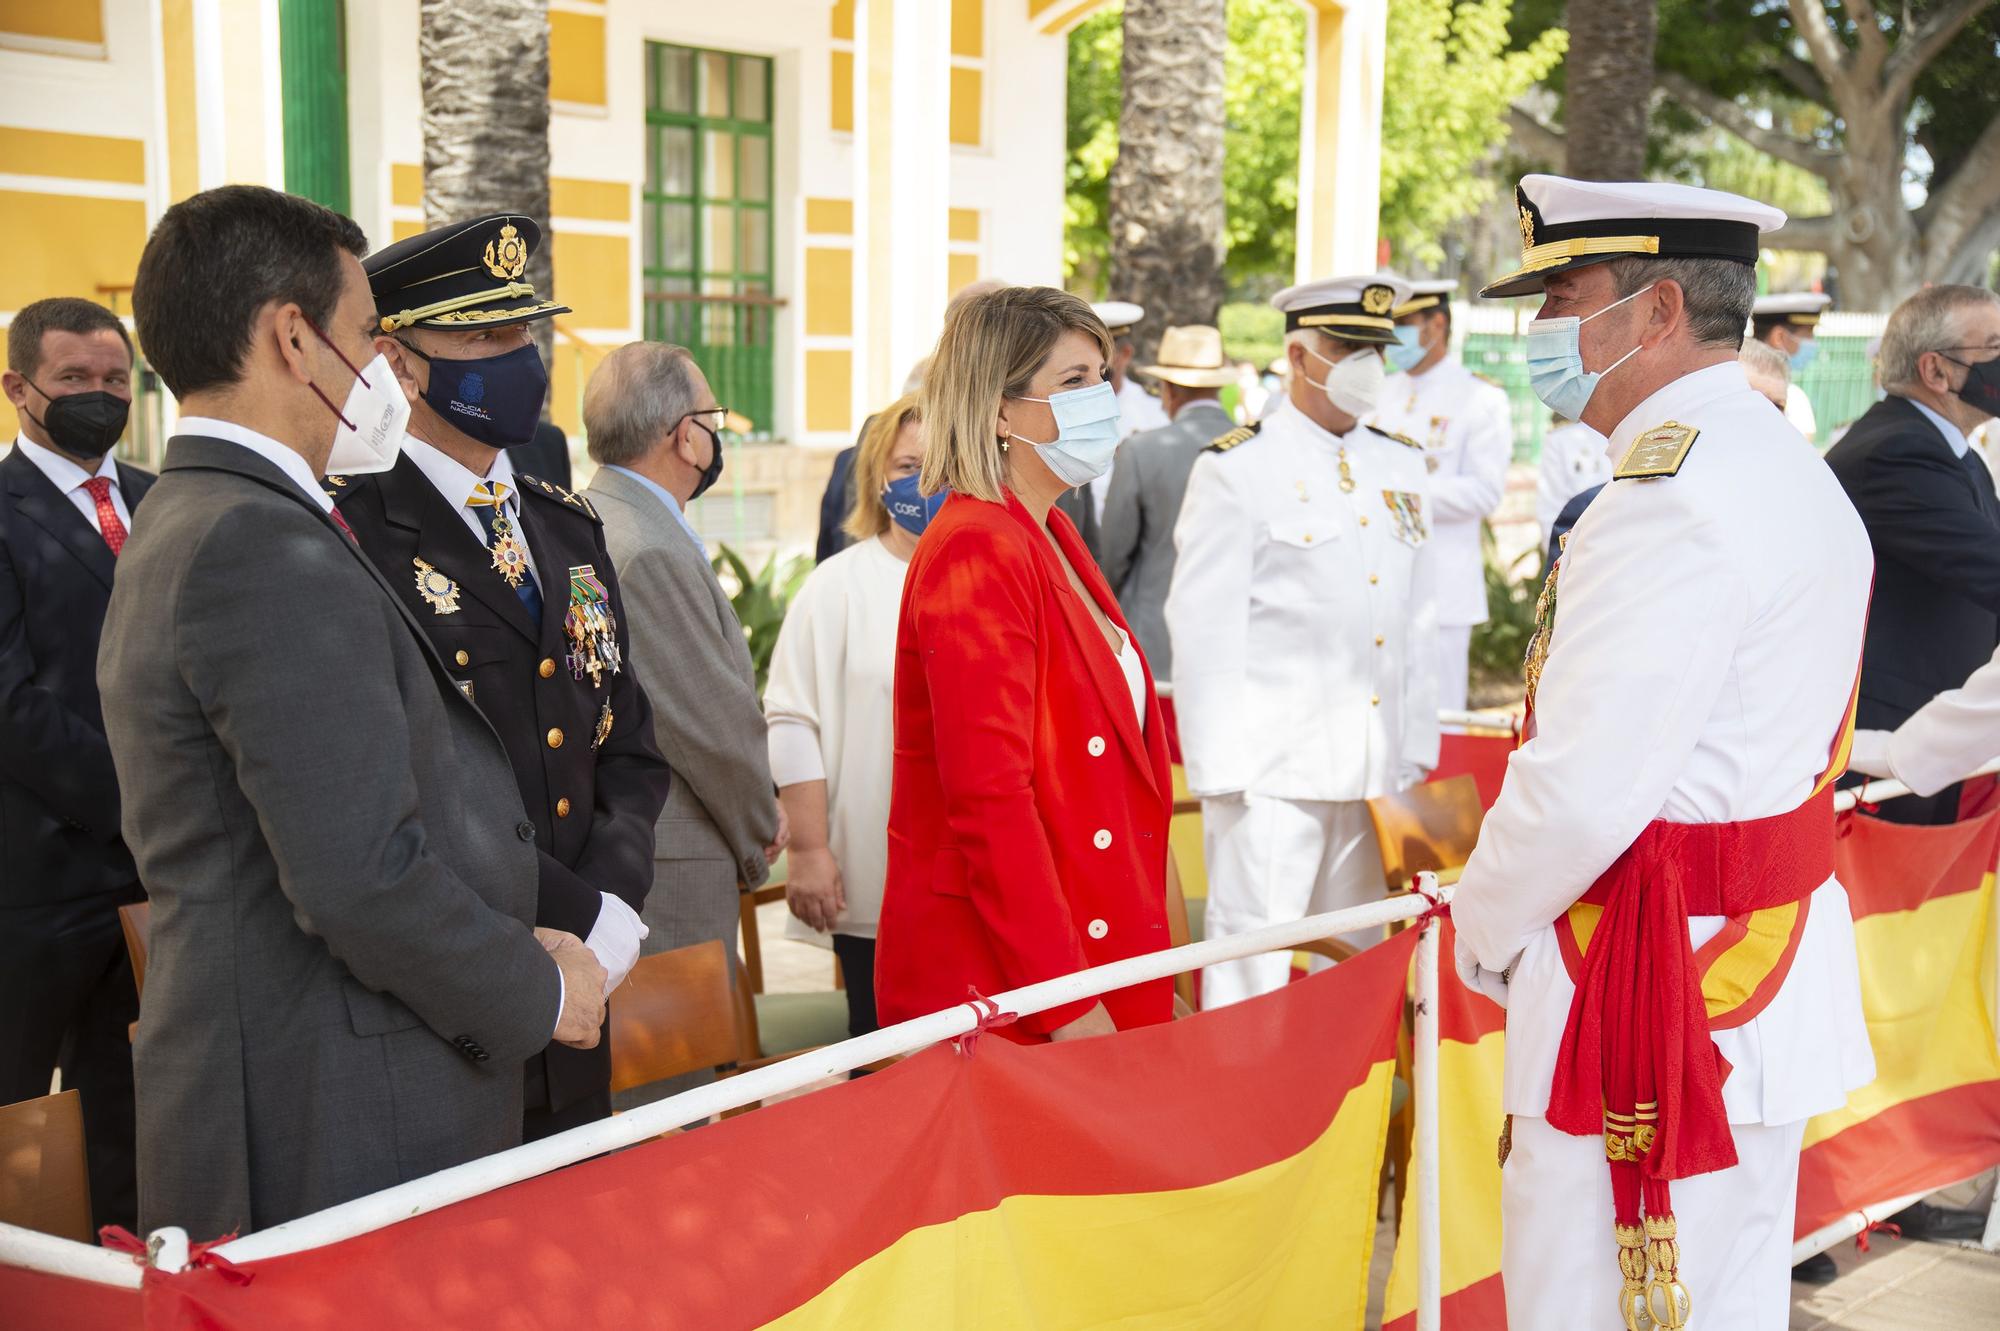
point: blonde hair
(991, 347)
(869, 517)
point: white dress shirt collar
(456, 481)
(1953, 436)
(281, 456)
(64, 474)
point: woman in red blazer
(1028, 820)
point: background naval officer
(1788, 321)
(510, 576)
(1304, 627)
(1466, 430)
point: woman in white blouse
(829, 703)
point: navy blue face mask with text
(496, 399)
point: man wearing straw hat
(1652, 897)
(1136, 540)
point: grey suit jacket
(692, 660)
(1136, 543)
(342, 985)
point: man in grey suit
(342, 984)
(653, 426)
(1136, 542)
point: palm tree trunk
(1610, 87)
(485, 76)
(1167, 241)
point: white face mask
(369, 437)
(1354, 384)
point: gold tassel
(1668, 1302)
(1632, 1304)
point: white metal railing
(169, 1246)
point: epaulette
(551, 491)
(1402, 439)
(1235, 437)
(1489, 379)
(1656, 453)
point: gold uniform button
(1372, 579)
(1378, 640)
(555, 737)
(547, 667)
(463, 658)
(1364, 520)
(562, 807)
(1375, 700)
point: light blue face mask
(1409, 350)
(1555, 361)
(1808, 352)
(1087, 433)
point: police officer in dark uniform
(510, 575)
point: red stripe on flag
(733, 1225)
(1464, 1015)
(1914, 1146)
(1889, 866)
(1484, 756)
(36, 1302)
(1481, 1306)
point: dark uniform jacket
(58, 793)
(590, 776)
(1935, 526)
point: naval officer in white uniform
(1304, 625)
(1690, 689)
(1466, 429)
(1789, 321)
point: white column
(1340, 143)
(902, 168)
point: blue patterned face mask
(1087, 433)
(1409, 350)
(1555, 361)
(909, 509)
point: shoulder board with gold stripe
(1657, 453)
(1489, 379)
(549, 490)
(1402, 439)
(1235, 437)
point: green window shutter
(313, 54)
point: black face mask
(1981, 389)
(83, 425)
(713, 472)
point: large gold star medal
(439, 591)
(590, 627)
(510, 557)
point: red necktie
(341, 523)
(107, 513)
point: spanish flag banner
(1216, 1171)
(1472, 1034)
(1922, 899)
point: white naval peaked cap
(1427, 294)
(1569, 224)
(1355, 309)
(1801, 309)
(1119, 315)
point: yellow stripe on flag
(1469, 1119)
(1924, 987)
(1292, 1239)
(1734, 977)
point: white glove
(1476, 977)
(1871, 753)
(615, 939)
(1409, 774)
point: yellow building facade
(792, 188)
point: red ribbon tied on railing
(1876, 1227)
(1439, 908)
(990, 1017)
(119, 1239)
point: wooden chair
(1432, 826)
(747, 901)
(675, 1013)
(44, 1185)
(137, 922)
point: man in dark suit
(343, 983)
(65, 510)
(1928, 503)
(509, 575)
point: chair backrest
(675, 1013)
(137, 919)
(1431, 826)
(44, 1185)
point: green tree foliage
(1450, 79)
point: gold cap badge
(508, 256)
(1527, 229)
(1378, 299)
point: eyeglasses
(712, 419)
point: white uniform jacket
(1466, 429)
(1708, 627)
(1306, 614)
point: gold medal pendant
(603, 726)
(510, 557)
(439, 591)
(592, 632)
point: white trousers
(1560, 1259)
(1273, 860)
(1454, 665)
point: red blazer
(1028, 821)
